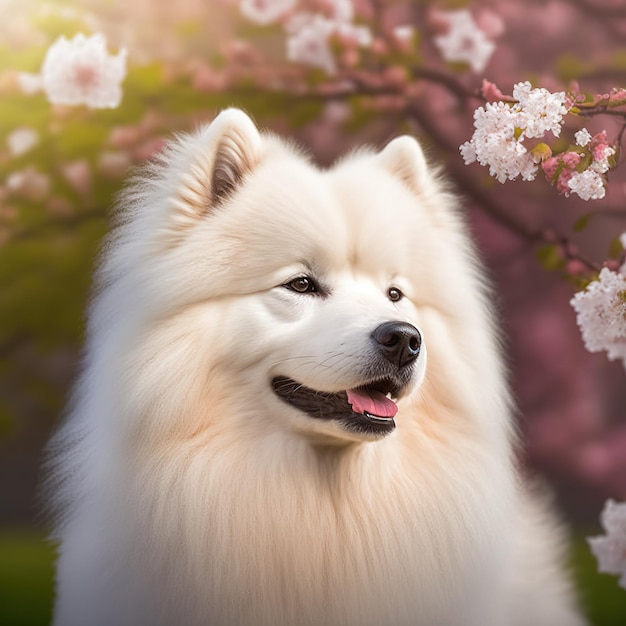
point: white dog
(258, 438)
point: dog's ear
(237, 152)
(213, 163)
(404, 158)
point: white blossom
(464, 41)
(622, 240)
(343, 11)
(602, 165)
(360, 35)
(404, 33)
(583, 137)
(610, 549)
(81, 71)
(30, 84)
(601, 314)
(29, 183)
(502, 127)
(308, 34)
(589, 185)
(542, 109)
(266, 11)
(308, 43)
(495, 143)
(21, 140)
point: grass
(603, 600)
(26, 572)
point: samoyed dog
(292, 410)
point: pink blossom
(600, 138)
(29, 183)
(206, 79)
(599, 151)
(149, 148)
(113, 164)
(59, 206)
(490, 91)
(571, 159)
(123, 136)
(563, 181)
(618, 94)
(78, 175)
(550, 167)
(490, 23)
(589, 184)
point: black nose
(399, 342)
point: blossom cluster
(610, 549)
(79, 71)
(309, 34)
(601, 312)
(462, 40)
(503, 127)
(591, 153)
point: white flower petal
(610, 549)
(81, 71)
(21, 140)
(265, 11)
(465, 42)
(601, 315)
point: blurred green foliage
(26, 574)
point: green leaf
(581, 222)
(619, 60)
(541, 152)
(585, 161)
(550, 257)
(615, 249)
(569, 67)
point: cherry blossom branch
(446, 80)
(598, 10)
(470, 187)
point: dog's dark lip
(335, 406)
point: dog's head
(281, 291)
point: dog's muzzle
(369, 408)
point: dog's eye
(303, 284)
(394, 294)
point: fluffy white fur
(189, 493)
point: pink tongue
(372, 402)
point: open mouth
(369, 408)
